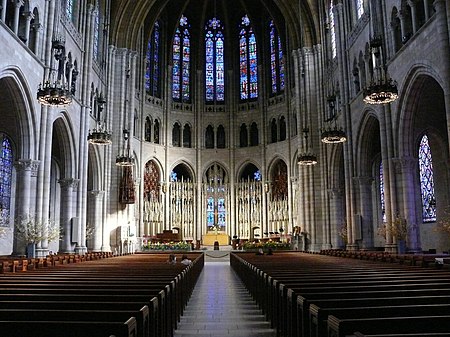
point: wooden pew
(26, 328)
(394, 325)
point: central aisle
(221, 306)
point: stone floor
(221, 306)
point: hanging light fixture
(333, 135)
(100, 135)
(307, 158)
(56, 91)
(125, 159)
(382, 89)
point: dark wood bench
(393, 325)
(26, 328)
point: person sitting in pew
(172, 259)
(185, 260)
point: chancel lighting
(99, 136)
(307, 159)
(56, 92)
(381, 93)
(333, 136)
(125, 159)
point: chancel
(230, 125)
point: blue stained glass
(276, 60)
(148, 62)
(96, 34)
(257, 175)
(214, 61)
(332, 31)
(69, 9)
(221, 212)
(359, 8)
(427, 181)
(155, 58)
(152, 62)
(176, 65)
(248, 61)
(173, 176)
(210, 212)
(181, 62)
(383, 203)
(6, 166)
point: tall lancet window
(181, 62)
(215, 66)
(359, 8)
(6, 166)
(332, 31)
(276, 60)
(152, 62)
(382, 200)
(427, 181)
(70, 9)
(248, 61)
(96, 48)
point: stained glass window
(332, 31)
(6, 166)
(257, 175)
(221, 213)
(152, 62)
(210, 212)
(248, 62)
(181, 62)
(359, 8)
(96, 49)
(427, 181)
(69, 9)
(382, 200)
(214, 61)
(173, 176)
(276, 60)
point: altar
(209, 239)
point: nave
(221, 306)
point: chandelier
(333, 135)
(125, 159)
(100, 135)
(56, 92)
(382, 89)
(307, 158)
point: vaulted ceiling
(299, 19)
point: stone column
(412, 4)
(335, 197)
(427, 9)
(401, 16)
(18, 4)
(28, 16)
(67, 187)
(408, 167)
(3, 16)
(95, 223)
(365, 209)
(25, 169)
(37, 28)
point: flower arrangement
(342, 232)
(266, 245)
(160, 246)
(398, 229)
(443, 225)
(31, 229)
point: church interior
(259, 120)
(318, 126)
(246, 120)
